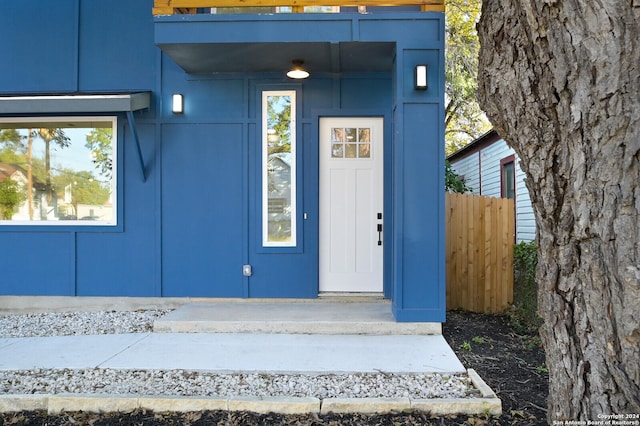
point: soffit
(77, 103)
(318, 57)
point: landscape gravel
(78, 323)
(194, 383)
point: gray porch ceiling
(318, 57)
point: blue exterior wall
(187, 229)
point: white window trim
(264, 165)
(114, 172)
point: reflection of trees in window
(279, 124)
(55, 178)
(278, 164)
(11, 196)
(58, 137)
(99, 142)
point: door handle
(379, 234)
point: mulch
(510, 360)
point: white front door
(351, 202)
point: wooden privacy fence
(480, 239)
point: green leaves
(453, 182)
(464, 120)
(99, 142)
(11, 196)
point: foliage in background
(99, 142)
(11, 196)
(525, 290)
(86, 187)
(453, 182)
(464, 120)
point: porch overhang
(82, 104)
(331, 43)
(318, 57)
(77, 103)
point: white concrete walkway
(233, 352)
(356, 315)
(271, 337)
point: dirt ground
(511, 362)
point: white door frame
(351, 197)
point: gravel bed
(77, 323)
(189, 383)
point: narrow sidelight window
(279, 168)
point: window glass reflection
(279, 170)
(57, 172)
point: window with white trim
(279, 168)
(58, 171)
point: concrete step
(366, 316)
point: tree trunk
(560, 81)
(30, 174)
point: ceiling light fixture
(297, 72)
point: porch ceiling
(207, 58)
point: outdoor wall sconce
(421, 77)
(297, 72)
(177, 105)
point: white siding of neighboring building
(468, 169)
(491, 157)
(489, 184)
(525, 219)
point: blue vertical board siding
(366, 92)
(279, 271)
(124, 263)
(117, 50)
(406, 32)
(419, 294)
(202, 210)
(206, 98)
(188, 229)
(419, 264)
(41, 263)
(422, 219)
(39, 46)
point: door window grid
(351, 142)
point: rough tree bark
(560, 81)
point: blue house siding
(55, 61)
(124, 263)
(202, 232)
(117, 52)
(189, 218)
(47, 271)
